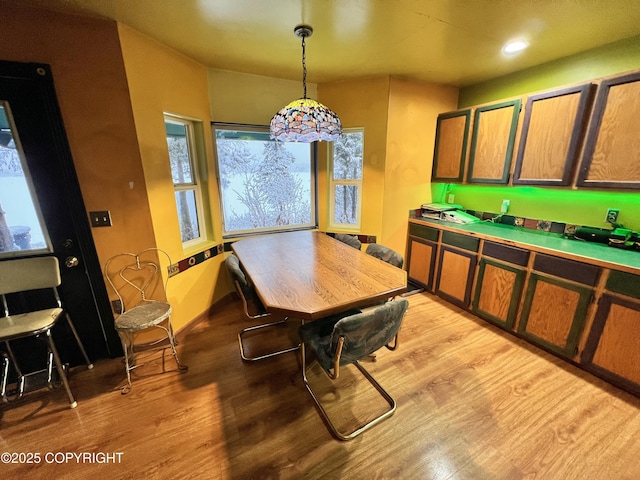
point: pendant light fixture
(305, 119)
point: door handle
(71, 262)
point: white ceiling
(454, 42)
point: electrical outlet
(504, 208)
(612, 215)
(450, 198)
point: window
(346, 179)
(265, 185)
(22, 230)
(182, 155)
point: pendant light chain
(304, 68)
(304, 119)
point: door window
(22, 230)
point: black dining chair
(344, 339)
(350, 240)
(253, 309)
(385, 253)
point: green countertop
(550, 243)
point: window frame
(196, 183)
(313, 183)
(333, 183)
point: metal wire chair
(136, 280)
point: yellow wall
(364, 104)
(114, 123)
(413, 111)
(113, 103)
(399, 119)
(162, 80)
(250, 99)
(93, 94)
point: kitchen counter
(544, 242)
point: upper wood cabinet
(452, 131)
(494, 132)
(612, 150)
(550, 139)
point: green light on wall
(579, 207)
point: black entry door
(31, 124)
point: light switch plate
(100, 218)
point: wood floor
(473, 403)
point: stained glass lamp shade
(305, 120)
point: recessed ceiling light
(513, 47)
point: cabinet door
(494, 133)
(421, 260)
(554, 313)
(455, 275)
(612, 150)
(452, 131)
(612, 349)
(498, 292)
(551, 131)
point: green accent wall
(565, 205)
(578, 207)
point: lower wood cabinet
(455, 275)
(501, 276)
(422, 246)
(456, 267)
(422, 256)
(547, 299)
(498, 292)
(612, 349)
(554, 313)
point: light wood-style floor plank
(473, 403)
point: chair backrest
(253, 307)
(19, 275)
(366, 332)
(350, 240)
(237, 274)
(385, 253)
(136, 277)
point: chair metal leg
(80, 345)
(50, 364)
(125, 346)
(61, 372)
(20, 376)
(266, 355)
(5, 375)
(173, 343)
(129, 354)
(325, 417)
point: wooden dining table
(310, 275)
